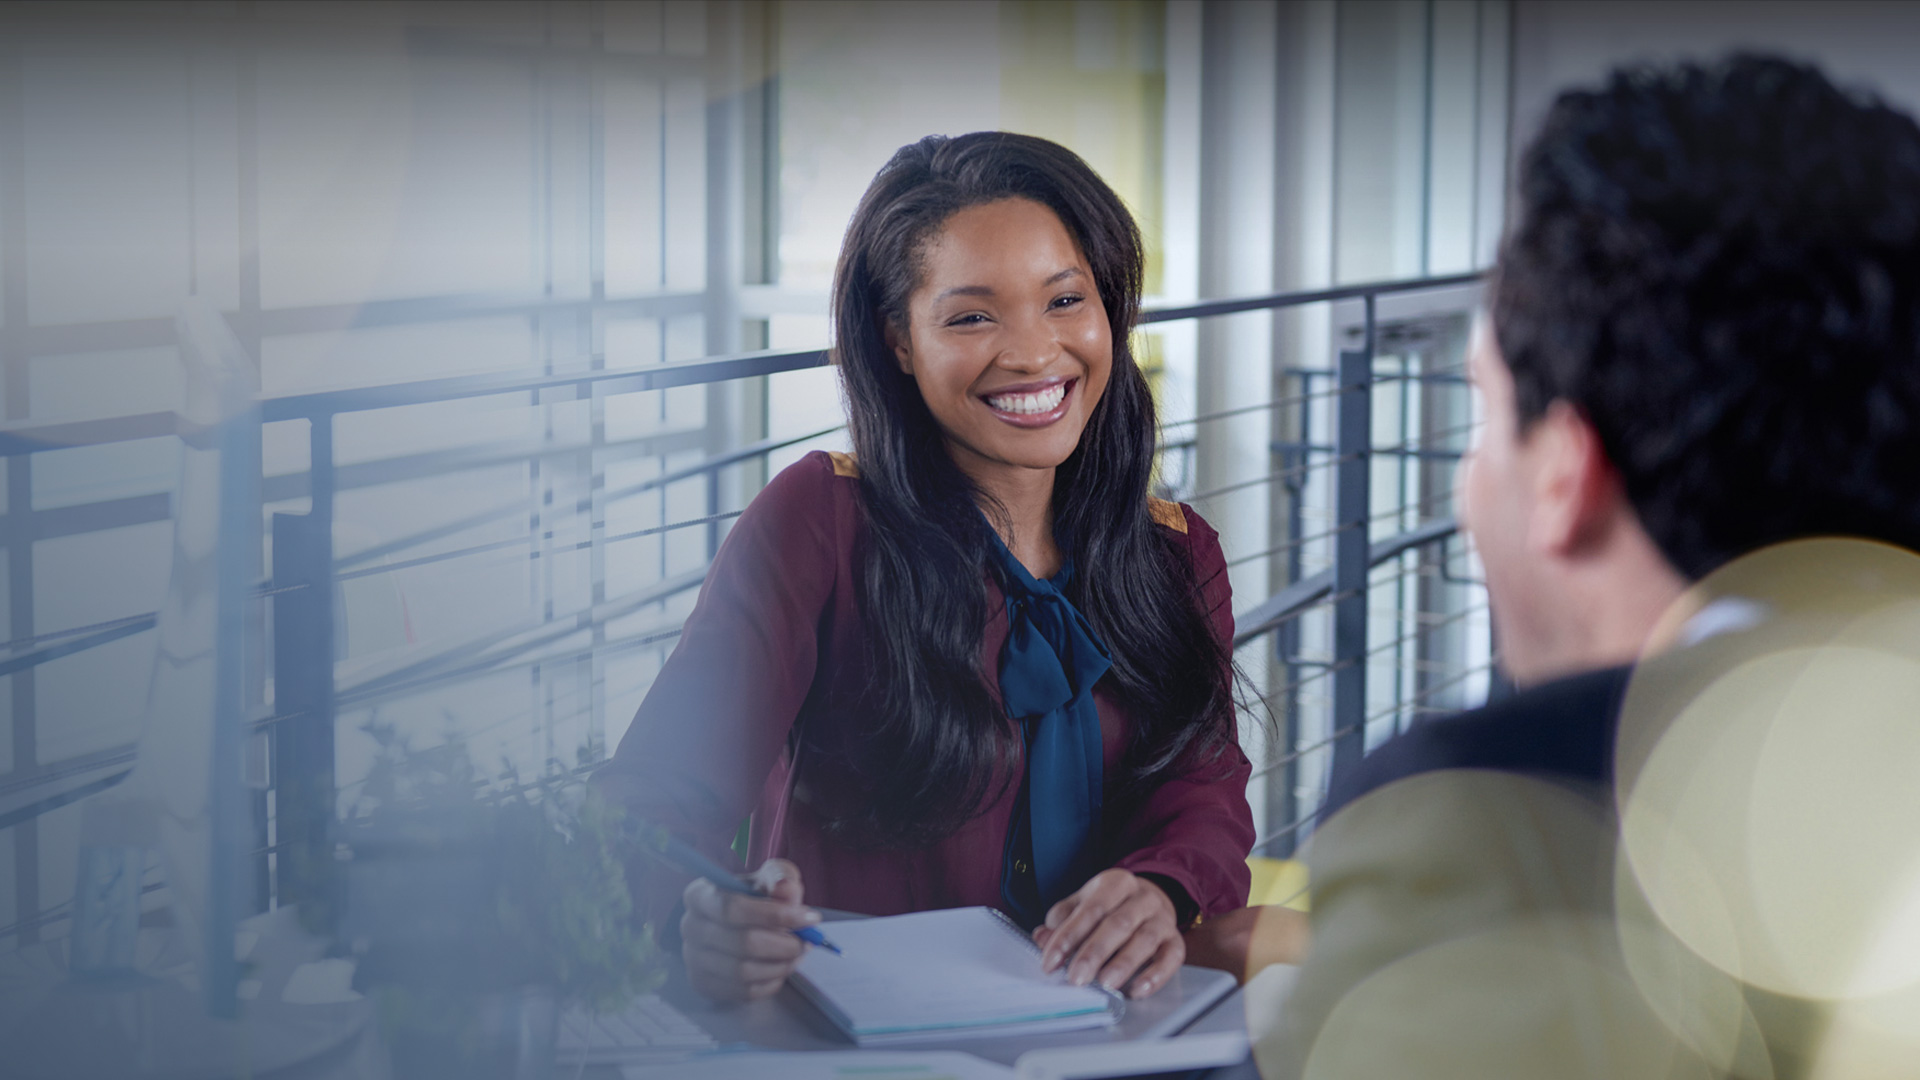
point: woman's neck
(1025, 496)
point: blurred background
(392, 370)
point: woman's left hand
(1118, 927)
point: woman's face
(1006, 337)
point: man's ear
(900, 343)
(1577, 495)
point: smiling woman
(974, 663)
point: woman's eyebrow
(965, 290)
(987, 290)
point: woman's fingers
(752, 942)
(738, 970)
(1114, 928)
(1160, 970)
(707, 901)
(1105, 941)
(726, 978)
(780, 880)
(739, 947)
(1133, 952)
(1075, 917)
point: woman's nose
(1032, 346)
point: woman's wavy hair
(940, 748)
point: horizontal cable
(657, 529)
(122, 628)
(1430, 691)
(1446, 377)
(517, 508)
(444, 556)
(521, 541)
(54, 802)
(1419, 505)
(1245, 409)
(431, 670)
(1283, 474)
(55, 635)
(1330, 739)
(1299, 752)
(1328, 667)
(1299, 541)
(534, 635)
(1424, 440)
(1300, 595)
(734, 457)
(1285, 831)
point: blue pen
(686, 858)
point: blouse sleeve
(1196, 828)
(714, 722)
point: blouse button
(1020, 866)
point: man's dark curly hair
(1719, 265)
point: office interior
(381, 377)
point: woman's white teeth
(1037, 402)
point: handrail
(1300, 297)
(575, 386)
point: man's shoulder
(1561, 730)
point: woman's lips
(1033, 408)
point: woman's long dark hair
(940, 741)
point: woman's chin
(1043, 448)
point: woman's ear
(900, 343)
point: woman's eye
(972, 318)
(1068, 301)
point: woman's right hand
(741, 948)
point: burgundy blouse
(776, 641)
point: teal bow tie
(1048, 668)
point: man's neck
(1611, 611)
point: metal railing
(306, 568)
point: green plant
(461, 884)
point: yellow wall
(1091, 75)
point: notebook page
(960, 967)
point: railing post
(1283, 807)
(303, 636)
(1353, 448)
(236, 637)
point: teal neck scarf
(1048, 668)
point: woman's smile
(1034, 404)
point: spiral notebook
(941, 974)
